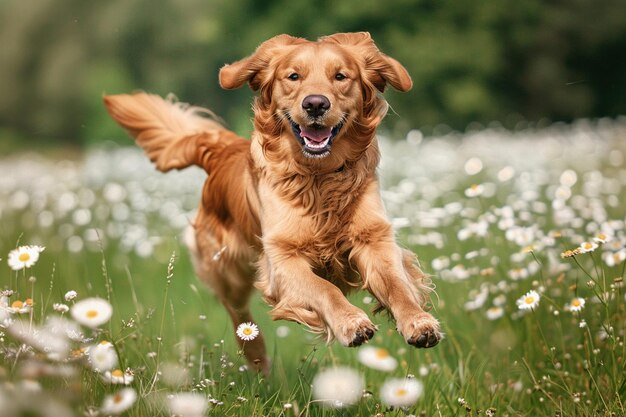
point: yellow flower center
(91, 314)
(117, 398)
(104, 342)
(247, 331)
(117, 373)
(576, 302)
(401, 392)
(78, 352)
(24, 256)
(28, 301)
(602, 236)
(587, 245)
(17, 304)
(529, 300)
(474, 187)
(382, 353)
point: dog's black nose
(315, 105)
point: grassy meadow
(523, 234)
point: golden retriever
(295, 211)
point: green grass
(175, 337)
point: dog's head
(315, 96)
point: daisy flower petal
(102, 357)
(401, 392)
(577, 304)
(117, 376)
(92, 312)
(528, 301)
(188, 404)
(24, 257)
(377, 358)
(586, 247)
(495, 312)
(338, 387)
(119, 402)
(247, 331)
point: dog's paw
(355, 329)
(422, 331)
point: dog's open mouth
(315, 139)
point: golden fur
(296, 210)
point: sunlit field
(523, 234)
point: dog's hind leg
(231, 277)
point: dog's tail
(174, 135)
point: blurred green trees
(470, 61)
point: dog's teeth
(315, 145)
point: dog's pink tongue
(315, 135)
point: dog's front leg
(390, 274)
(297, 294)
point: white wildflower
(377, 358)
(92, 312)
(338, 387)
(401, 392)
(119, 402)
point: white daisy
(495, 312)
(247, 331)
(338, 387)
(117, 376)
(601, 238)
(576, 304)
(475, 190)
(460, 272)
(473, 166)
(478, 299)
(614, 258)
(529, 301)
(401, 392)
(587, 247)
(119, 402)
(188, 404)
(518, 273)
(24, 257)
(440, 263)
(377, 358)
(102, 357)
(92, 312)
(21, 307)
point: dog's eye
(340, 77)
(294, 76)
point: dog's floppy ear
(246, 70)
(380, 69)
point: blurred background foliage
(515, 62)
